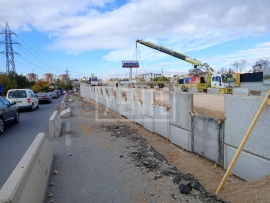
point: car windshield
(17, 94)
(227, 78)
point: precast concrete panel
(213, 90)
(138, 118)
(166, 88)
(148, 98)
(239, 112)
(180, 137)
(110, 92)
(148, 123)
(177, 89)
(130, 114)
(192, 90)
(181, 103)
(123, 107)
(130, 97)
(161, 121)
(237, 91)
(248, 166)
(118, 95)
(114, 104)
(208, 138)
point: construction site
(223, 137)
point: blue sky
(94, 36)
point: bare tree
(260, 65)
(196, 72)
(222, 70)
(239, 65)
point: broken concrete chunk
(185, 187)
(65, 113)
(55, 172)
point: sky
(94, 36)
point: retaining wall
(213, 90)
(239, 112)
(138, 116)
(192, 90)
(208, 138)
(203, 135)
(257, 86)
(161, 121)
(240, 91)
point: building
(48, 77)
(63, 77)
(32, 77)
(148, 76)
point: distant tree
(22, 82)
(260, 65)
(196, 72)
(41, 86)
(222, 70)
(239, 66)
(7, 81)
(162, 79)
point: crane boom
(176, 54)
(170, 52)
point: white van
(24, 98)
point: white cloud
(186, 25)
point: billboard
(266, 76)
(130, 64)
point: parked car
(44, 97)
(57, 92)
(53, 95)
(9, 112)
(24, 98)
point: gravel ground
(119, 161)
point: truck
(224, 81)
(94, 81)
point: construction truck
(225, 82)
(94, 80)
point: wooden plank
(242, 144)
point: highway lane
(18, 137)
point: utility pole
(10, 64)
(67, 73)
(162, 74)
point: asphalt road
(18, 137)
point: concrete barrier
(63, 106)
(65, 114)
(55, 124)
(28, 182)
(213, 90)
(240, 91)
